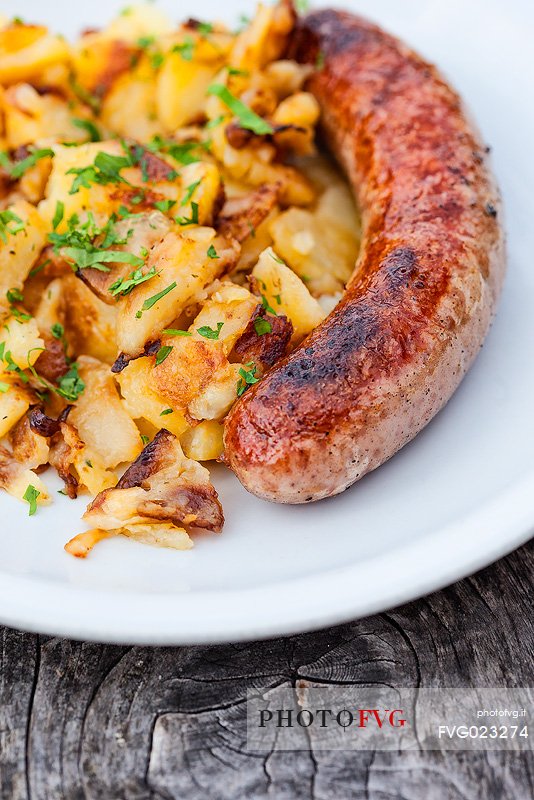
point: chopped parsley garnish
(89, 127)
(176, 332)
(58, 214)
(151, 301)
(204, 28)
(234, 71)
(18, 169)
(97, 259)
(277, 259)
(248, 378)
(214, 123)
(266, 306)
(70, 385)
(262, 326)
(162, 353)
(105, 169)
(248, 119)
(39, 267)
(210, 333)
(212, 252)
(16, 296)
(58, 331)
(30, 495)
(144, 439)
(165, 412)
(76, 244)
(302, 6)
(124, 286)
(192, 220)
(4, 387)
(164, 205)
(10, 224)
(182, 152)
(189, 192)
(185, 48)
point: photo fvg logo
(367, 718)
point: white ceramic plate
(458, 497)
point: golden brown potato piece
(286, 294)
(77, 464)
(199, 359)
(25, 236)
(81, 545)
(15, 399)
(184, 269)
(142, 232)
(29, 447)
(100, 417)
(16, 479)
(161, 486)
(240, 216)
(142, 401)
(204, 442)
(26, 50)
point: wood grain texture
(81, 720)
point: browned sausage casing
(423, 292)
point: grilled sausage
(424, 289)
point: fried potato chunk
(161, 486)
(101, 418)
(286, 294)
(184, 268)
(17, 479)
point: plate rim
(280, 609)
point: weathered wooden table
(81, 720)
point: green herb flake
(266, 306)
(59, 214)
(89, 127)
(164, 205)
(248, 378)
(176, 332)
(14, 296)
(30, 161)
(204, 28)
(262, 326)
(124, 286)
(186, 49)
(165, 412)
(151, 301)
(192, 220)
(162, 354)
(70, 385)
(30, 495)
(210, 333)
(10, 224)
(212, 252)
(145, 439)
(57, 330)
(4, 387)
(214, 123)
(189, 192)
(238, 72)
(247, 118)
